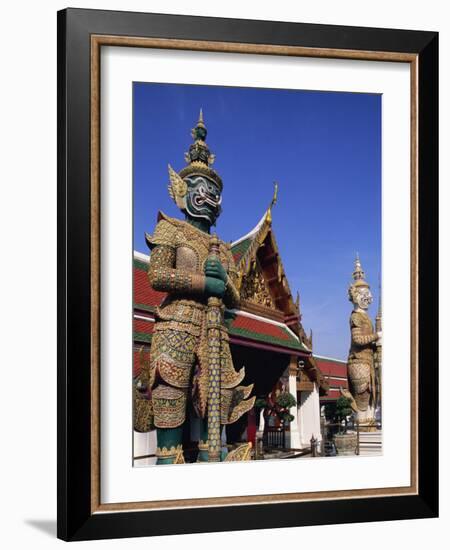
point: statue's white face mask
(363, 298)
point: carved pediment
(255, 289)
(264, 286)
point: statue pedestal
(368, 426)
(366, 419)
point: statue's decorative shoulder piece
(361, 371)
(190, 358)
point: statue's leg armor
(173, 358)
(169, 406)
(359, 374)
(168, 438)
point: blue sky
(323, 149)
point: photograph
(257, 248)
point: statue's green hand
(213, 268)
(214, 287)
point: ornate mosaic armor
(179, 351)
(360, 360)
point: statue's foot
(173, 455)
(202, 451)
(164, 461)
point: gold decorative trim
(240, 454)
(179, 459)
(97, 41)
(165, 452)
(261, 49)
(197, 282)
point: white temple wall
(294, 425)
(144, 444)
(309, 416)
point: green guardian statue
(190, 357)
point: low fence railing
(274, 438)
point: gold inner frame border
(97, 41)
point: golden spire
(275, 194)
(199, 132)
(200, 118)
(358, 273)
(199, 158)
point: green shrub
(286, 400)
(343, 410)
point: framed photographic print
(247, 274)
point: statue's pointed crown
(358, 274)
(199, 157)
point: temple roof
(243, 326)
(265, 288)
(144, 297)
(260, 247)
(242, 248)
(249, 326)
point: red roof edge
(270, 347)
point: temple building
(266, 336)
(335, 373)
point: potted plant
(344, 440)
(283, 403)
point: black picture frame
(75, 478)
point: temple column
(294, 425)
(251, 427)
(261, 423)
(309, 416)
(316, 413)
